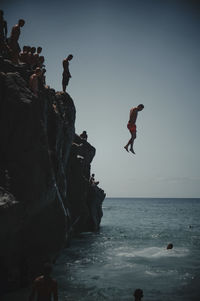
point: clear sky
(126, 53)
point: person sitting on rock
(92, 180)
(84, 135)
(44, 286)
(37, 57)
(39, 50)
(13, 41)
(40, 62)
(138, 294)
(23, 56)
(34, 81)
(66, 74)
(32, 58)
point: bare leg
(131, 141)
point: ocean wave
(154, 252)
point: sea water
(129, 252)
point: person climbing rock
(132, 126)
(66, 74)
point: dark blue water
(130, 252)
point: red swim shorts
(131, 127)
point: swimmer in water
(170, 246)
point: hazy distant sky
(126, 53)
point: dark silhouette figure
(40, 62)
(66, 74)
(138, 294)
(32, 58)
(132, 126)
(23, 56)
(3, 27)
(84, 135)
(3, 34)
(92, 180)
(169, 246)
(39, 50)
(13, 41)
(44, 287)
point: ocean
(129, 252)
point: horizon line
(148, 197)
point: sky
(126, 52)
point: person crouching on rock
(34, 81)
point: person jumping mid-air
(132, 126)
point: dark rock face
(45, 194)
(85, 199)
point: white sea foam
(154, 252)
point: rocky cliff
(45, 194)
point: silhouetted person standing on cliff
(132, 126)
(3, 34)
(66, 74)
(44, 287)
(13, 40)
(3, 27)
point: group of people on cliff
(29, 55)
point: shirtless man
(66, 74)
(34, 81)
(44, 287)
(13, 40)
(132, 126)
